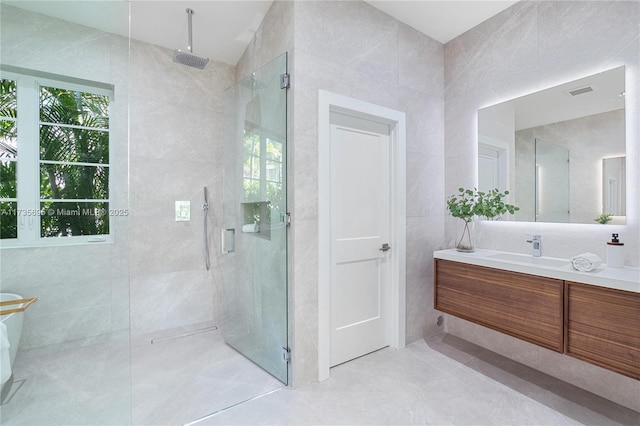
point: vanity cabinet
(525, 306)
(603, 327)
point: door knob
(385, 247)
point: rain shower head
(188, 58)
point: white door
(360, 269)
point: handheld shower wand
(205, 209)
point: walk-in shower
(133, 327)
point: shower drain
(185, 334)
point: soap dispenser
(615, 252)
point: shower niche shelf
(257, 214)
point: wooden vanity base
(603, 327)
(596, 324)
(525, 306)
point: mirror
(560, 151)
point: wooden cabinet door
(603, 327)
(525, 306)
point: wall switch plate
(183, 211)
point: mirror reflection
(614, 189)
(551, 148)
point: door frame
(331, 102)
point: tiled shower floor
(182, 379)
(173, 381)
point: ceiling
(441, 20)
(223, 29)
(556, 104)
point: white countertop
(626, 278)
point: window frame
(28, 161)
(262, 161)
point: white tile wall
(176, 139)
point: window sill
(57, 242)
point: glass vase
(466, 236)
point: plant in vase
(604, 218)
(468, 204)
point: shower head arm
(189, 17)
(188, 58)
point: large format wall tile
(177, 131)
(162, 131)
(495, 57)
(305, 189)
(313, 73)
(355, 34)
(426, 115)
(42, 43)
(169, 300)
(154, 76)
(424, 235)
(424, 195)
(579, 38)
(421, 62)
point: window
(262, 169)
(262, 181)
(8, 159)
(54, 158)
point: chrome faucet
(536, 241)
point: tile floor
(173, 381)
(61, 385)
(177, 380)
(445, 381)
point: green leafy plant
(468, 204)
(604, 218)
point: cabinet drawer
(525, 306)
(603, 327)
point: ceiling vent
(580, 91)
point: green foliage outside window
(74, 162)
(74, 129)
(8, 153)
(263, 172)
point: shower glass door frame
(254, 233)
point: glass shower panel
(255, 229)
(72, 359)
